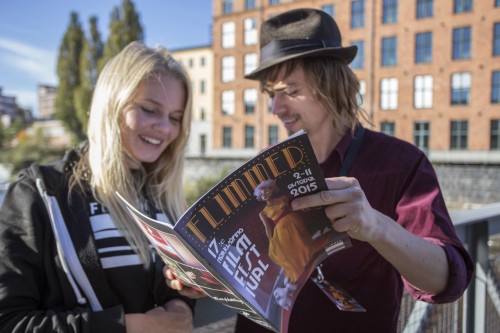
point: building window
(250, 25)
(423, 47)
(388, 127)
(203, 144)
(202, 87)
(495, 87)
(390, 11)
(227, 6)
(249, 136)
(357, 14)
(389, 51)
(462, 6)
(249, 4)
(425, 8)
(272, 134)
(458, 134)
(190, 62)
(460, 88)
(228, 37)
(228, 69)
(495, 134)
(228, 102)
(361, 93)
(461, 43)
(203, 113)
(496, 39)
(250, 62)
(359, 60)
(423, 92)
(250, 100)
(389, 94)
(421, 135)
(274, 2)
(202, 62)
(329, 9)
(227, 136)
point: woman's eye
(292, 93)
(176, 119)
(146, 110)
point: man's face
(294, 103)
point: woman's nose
(164, 124)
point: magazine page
(184, 262)
(245, 229)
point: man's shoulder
(389, 144)
(388, 152)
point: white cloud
(35, 62)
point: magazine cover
(242, 244)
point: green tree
(124, 28)
(29, 148)
(68, 71)
(195, 188)
(2, 135)
(91, 53)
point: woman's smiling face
(152, 120)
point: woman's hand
(174, 283)
(174, 317)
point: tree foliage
(29, 149)
(78, 65)
(81, 58)
(91, 54)
(195, 188)
(124, 28)
(68, 71)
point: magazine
(242, 244)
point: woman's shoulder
(53, 174)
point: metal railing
(478, 310)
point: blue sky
(31, 32)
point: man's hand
(346, 207)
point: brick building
(429, 71)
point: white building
(198, 61)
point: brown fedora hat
(300, 33)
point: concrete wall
(466, 186)
(463, 186)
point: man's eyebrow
(280, 86)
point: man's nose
(278, 104)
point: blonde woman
(72, 258)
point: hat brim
(347, 53)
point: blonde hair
(333, 83)
(105, 165)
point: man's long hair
(333, 83)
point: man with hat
(382, 191)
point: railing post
(474, 320)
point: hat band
(284, 47)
